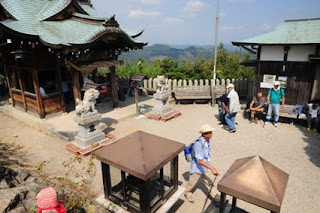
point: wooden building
(290, 54)
(44, 43)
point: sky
(192, 22)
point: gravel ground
(289, 147)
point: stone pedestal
(162, 106)
(89, 131)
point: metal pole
(216, 43)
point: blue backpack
(188, 152)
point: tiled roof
(306, 31)
(41, 18)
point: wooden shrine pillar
(114, 87)
(8, 81)
(37, 91)
(76, 86)
(21, 83)
(59, 85)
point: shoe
(308, 129)
(232, 130)
(189, 198)
(275, 124)
(266, 123)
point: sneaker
(266, 123)
(275, 124)
(232, 130)
(189, 198)
(308, 129)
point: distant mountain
(186, 52)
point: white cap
(276, 83)
(230, 85)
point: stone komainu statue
(161, 84)
(87, 106)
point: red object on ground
(47, 200)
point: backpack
(188, 152)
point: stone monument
(162, 107)
(88, 120)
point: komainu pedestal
(88, 130)
(162, 106)
(88, 120)
(162, 109)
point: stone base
(85, 142)
(91, 118)
(75, 149)
(162, 111)
(163, 209)
(164, 118)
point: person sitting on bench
(257, 106)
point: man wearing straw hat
(200, 165)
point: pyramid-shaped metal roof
(46, 19)
(140, 154)
(304, 31)
(256, 181)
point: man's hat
(206, 128)
(230, 85)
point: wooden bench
(220, 90)
(192, 93)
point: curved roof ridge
(88, 17)
(67, 4)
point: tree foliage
(228, 66)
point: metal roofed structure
(255, 180)
(140, 172)
(140, 154)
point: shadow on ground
(312, 138)
(9, 154)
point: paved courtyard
(290, 147)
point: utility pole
(216, 44)
(215, 56)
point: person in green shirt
(275, 97)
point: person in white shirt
(313, 115)
(234, 108)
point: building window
(48, 81)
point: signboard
(266, 85)
(283, 81)
(269, 78)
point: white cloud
(173, 20)
(227, 28)
(242, 1)
(150, 1)
(265, 27)
(193, 7)
(138, 13)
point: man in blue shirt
(223, 102)
(274, 99)
(200, 166)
